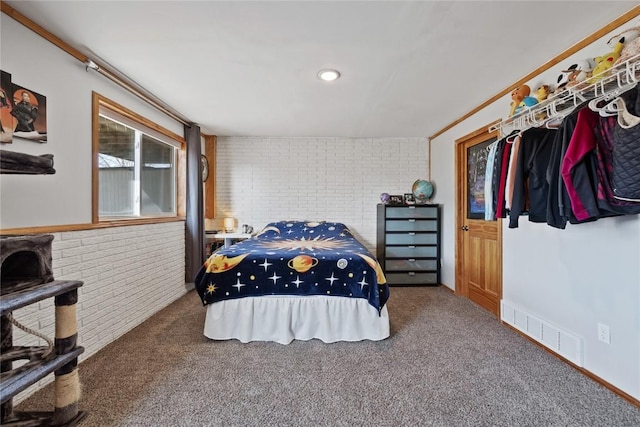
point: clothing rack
(621, 78)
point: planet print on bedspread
(294, 258)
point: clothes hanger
(553, 122)
(612, 108)
(512, 136)
(607, 109)
(594, 103)
(609, 104)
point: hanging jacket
(530, 182)
(511, 173)
(607, 202)
(497, 170)
(626, 156)
(556, 217)
(586, 169)
(488, 183)
(579, 170)
(501, 212)
(559, 205)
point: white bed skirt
(283, 319)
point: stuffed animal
(631, 49)
(631, 44)
(539, 94)
(563, 79)
(604, 63)
(527, 102)
(575, 74)
(580, 72)
(629, 35)
(517, 96)
(542, 92)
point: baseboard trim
(442, 285)
(585, 372)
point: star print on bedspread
(294, 258)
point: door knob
(464, 228)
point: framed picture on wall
(6, 119)
(29, 111)
(476, 166)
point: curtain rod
(135, 89)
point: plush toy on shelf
(563, 80)
(631, 47)
(605, 62)
(631, 50)
(539, 94)
(542, 92)
(517, 96)
(527, 102)
(575, 74)
(580, 72)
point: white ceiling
(249, 68)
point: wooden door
(479, 242)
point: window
(136, 165)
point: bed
(295, 280)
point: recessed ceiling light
(328, 75)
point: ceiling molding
(12, 13)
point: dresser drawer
(413, 212)
(411, 225)
(412, 278)
(411, 264)
(412, 239)
(411, 251)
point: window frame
(100, 103)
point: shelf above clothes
(618, 80)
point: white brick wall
(259, 180)
(129, 273)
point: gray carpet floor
(447, 363)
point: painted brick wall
(129, 273)
(260, 180)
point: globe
(422, 190)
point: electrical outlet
(603, 333)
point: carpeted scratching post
(67, 383)
(26, 278)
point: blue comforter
(294, 258)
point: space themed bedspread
(294, 258)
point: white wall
(63, 198)
(571, 278)
(259, 180)
(129, 273)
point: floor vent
(562, 342)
